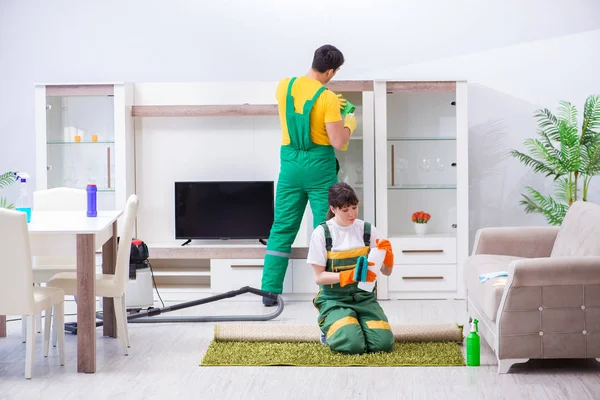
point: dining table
(68, 233)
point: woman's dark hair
(327, 57)
(341, 195)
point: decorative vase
(420, 229)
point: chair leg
(59, 320)
(120, 332)
(125, 325)
(55, 327)
(47, 325)
(38, 322)
(29, 353)
(24, 328)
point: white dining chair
(111, 285)
(18, 296)
(56, 199)
(45, 267)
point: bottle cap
(137, 242)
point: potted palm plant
(571, 157)
(6, 180)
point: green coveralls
(307, 171)
(351, 318)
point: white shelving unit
(84, 134)
(421, 141)
(357, 163)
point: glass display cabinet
(357, 161)
(84, 135)
(422, 166)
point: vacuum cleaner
(140, 289)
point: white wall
(517, 55)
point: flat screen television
(224, 209)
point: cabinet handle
(246, 266)
(423, 251)
(422, 277)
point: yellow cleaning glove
(342, 101)
(350, 123)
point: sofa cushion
(486, 295)
(579, 234)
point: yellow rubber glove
(350, 123)
(342, 101)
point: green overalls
(351, 318)
(307, 171)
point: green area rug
(317, 355)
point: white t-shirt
(342, 238)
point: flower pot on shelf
(420, 229)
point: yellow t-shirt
(325, 110)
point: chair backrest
(579, 234)
(16, 281)
(124, 250)
(60, 199)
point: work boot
(269, 302)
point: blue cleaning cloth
(492, 275)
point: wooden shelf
(217, 252)
(420, 86)
(228, 110)
(350, 86)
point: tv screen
(223, 210)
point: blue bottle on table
(92, 209)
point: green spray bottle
(473, 345)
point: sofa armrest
(549, 309)
(555, 271)
(522, 241)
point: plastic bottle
(473, 345)
(92, 190)
(23, 203)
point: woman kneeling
(351, 319)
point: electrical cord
(154, 281)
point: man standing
(312, 127)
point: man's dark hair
(327, 57)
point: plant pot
(420, 229)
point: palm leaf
(4, 203)
(548, 123)
(7, 179)
(553, 210)
(537, 166)
(591, 120)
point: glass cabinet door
(80, 143)
(422, 161)
(356, 162)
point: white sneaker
(323, 339)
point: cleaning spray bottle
(473, 345)
(23, 203)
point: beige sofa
(549, 304)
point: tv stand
(186, 242)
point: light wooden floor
(164, 364)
